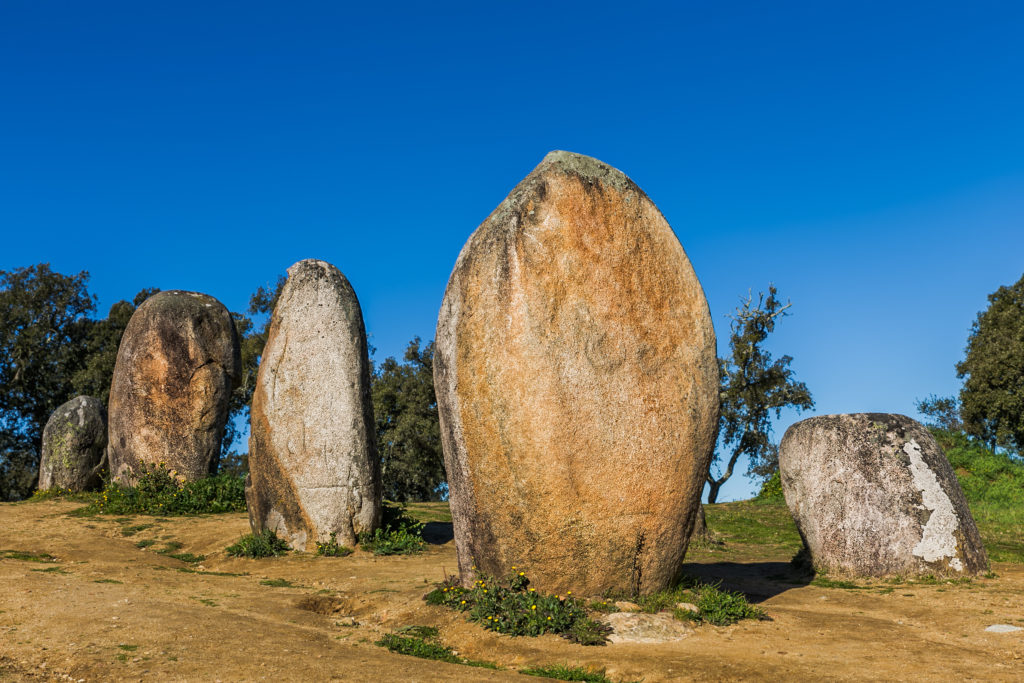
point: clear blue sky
(867, 157)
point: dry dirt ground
(108, 610)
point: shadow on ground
(757, 580)
(438, 533)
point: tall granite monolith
(177, 364)
(313, 467)
(873, 495)
(577, 386)
(73, 442)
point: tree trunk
(713, 488)
(700, 525)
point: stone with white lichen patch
(873, 495)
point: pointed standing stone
(874, 495)
(177, 364)
(313, 467)
(73, 443)
(577, 385)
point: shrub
(511, 607)
(771, 490)
(399, 534)
(264, 544)
(158, 492)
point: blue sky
(866, 157)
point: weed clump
(564, 672)
(158, 492)
(399, 534)
(332, 548)
(426, 647)
(264, 544)
(714, 605)
(513, 608)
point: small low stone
(1003, 628)
(645, 628)
(626, 606)
(687, 607)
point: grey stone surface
(873, 495)
(577, 386)
(313, 466)
(178, 362)
(74, 439)
(1003, 628)
(634, 627)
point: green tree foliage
(752, 387)
(992, 397)
(408, 431)
(943, 412)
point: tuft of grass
(145, 543)
(187, 557)
(264, 544)
(604, 606)
(510, 606)
(128, 648)
(158, 492)
(189, 570)
(418, 631)
(52, 570)
(564, 672)
(107, 581)
(824, 582)
(425, 648)
(332, 548)
(714, 605)
(26, 556)
(399, 534)
(132, 530)
(278, 583)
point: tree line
(52, 349)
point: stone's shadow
(438, 533)
(757, 580)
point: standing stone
(577, 386)
(73, 443)
(873, 495)
(313, 467)
(176, 366)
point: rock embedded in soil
(631, 627)
(873, 495)
(74, 439)
(313, 466)
(176, 367)
(577, 386)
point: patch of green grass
(761, 523)
(187, 557)
(52, 570)
(132, 530)
(206, 601)
(264, 544)
(399, 534)
(564, 672)
(428, 512)
(605, 606)
(332, 548)
(158, 492)
(26, 556)
(170, 547)
(825, 582)
(128, 648)
(278, 583)
(107, 581)
(510, 606)
(145, 543)
(418, 631)
(57, 492)
(123, 657)
(714, 605)
(428, 649)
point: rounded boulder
(177, 364)
(873, 495)
(73, 442)
(577, 386)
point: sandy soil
(108, 610)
